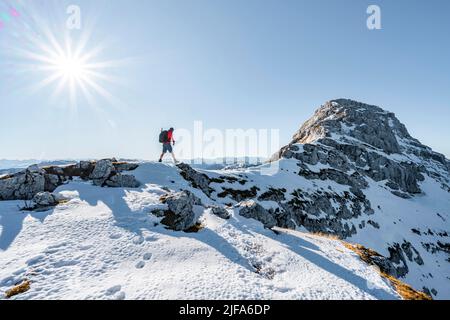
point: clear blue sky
(231, 64)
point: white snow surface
(105, 244)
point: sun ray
(98, 88)
(108, 78)
(87, 94)
(109, 63)
(45, 82)
(58, 90)
(34, 56)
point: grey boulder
(220, 212)
(102, 171)
(122, 181)
(44, 199)
(180, 215)
(252, 210)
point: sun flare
(71, 68)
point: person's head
(171, 129)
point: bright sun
(71, 68)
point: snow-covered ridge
(352, 171)
(104, 243)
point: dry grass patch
(364, 253)
(18, 289)
(326, 235)
(195, 228)
(404, 290)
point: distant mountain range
(13, 166)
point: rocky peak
(354, 122)
(357, 140)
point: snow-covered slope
(105, 244)
(351, 171)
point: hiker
(166, 138)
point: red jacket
(170, 137)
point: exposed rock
(197, 179)
(53, 181)
(252, 210)
(123, 181)
(125, 166)
(82, 169)
(373, 224)
(86, 168)
(44, 199)
(102, 172)
(23, 185)
(397, 257)
(273, 194)
(324, 211)
(220, 212)
(180, 215)
(239, 195)
(370, 125)
(284, 218)
(411, 253)
(229, 179)
(350, 136)
(385, 265)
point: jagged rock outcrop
(180, 215)
(252, 210)
(198, 180)
(24, 185)
(350, 136)
(108, 173)
(273, 194)
(102, 171)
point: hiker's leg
(173, 156)
(164, 150)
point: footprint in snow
(140, 265)
(116, 292)
(147, 256)
(35, 260)
(113, 290)
(151, 238)
(120, 296)
(115, 236)
(138, 240)
(86, 247)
